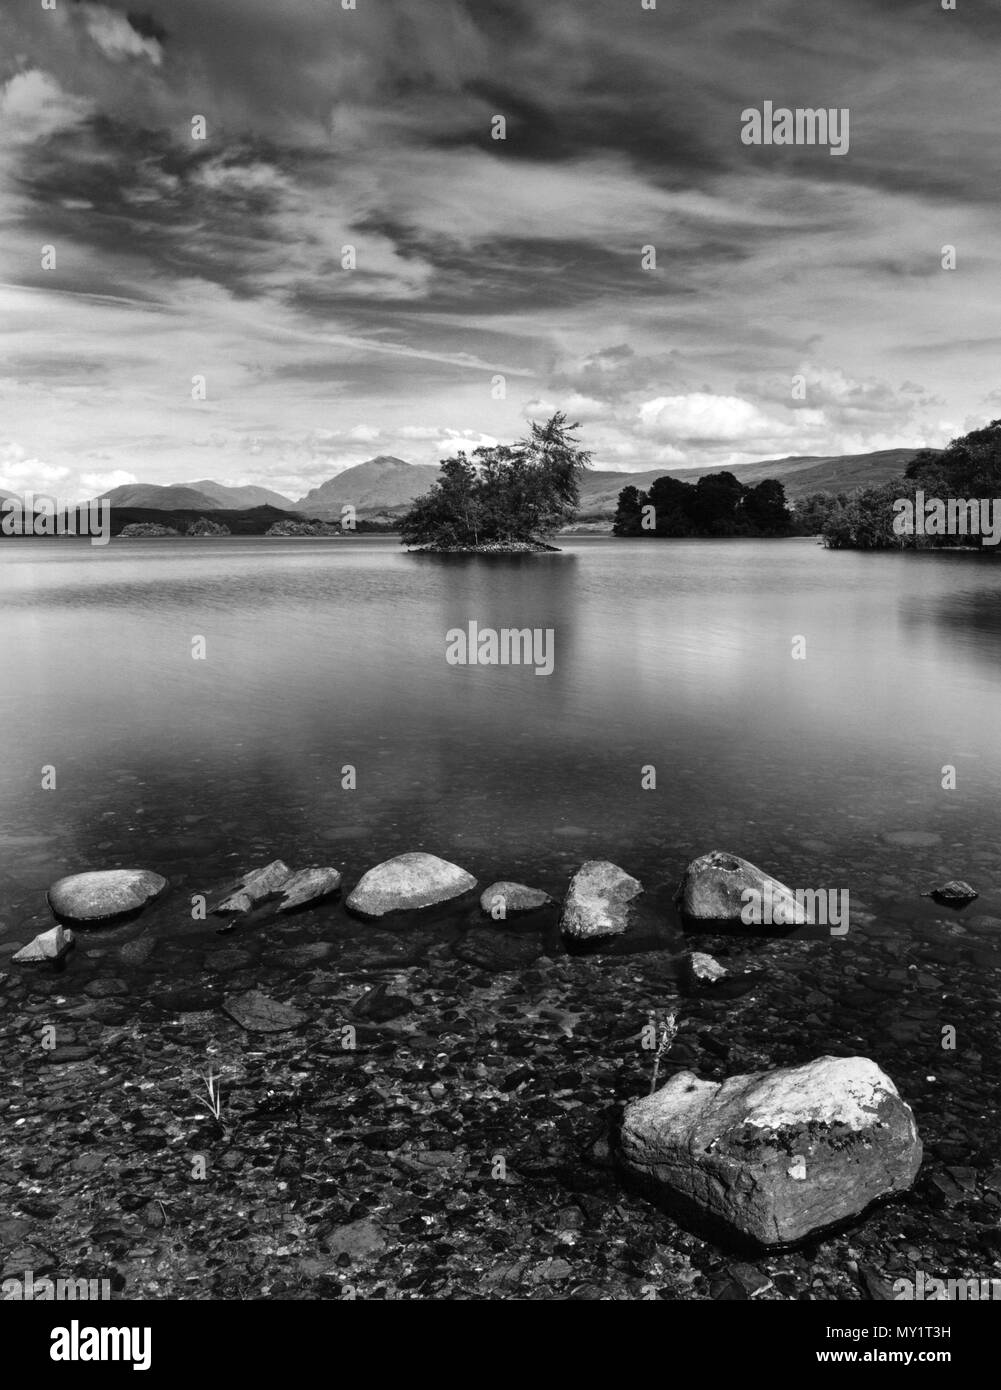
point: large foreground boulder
(717, 888)
(775, 1155)
(597, 901)
(406, 882)
(106, 893)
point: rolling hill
(154, 497)
(379, 485)
(385, 487)
(229, 498)
(600, 488)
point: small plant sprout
(213, 1091)
(667, 1029)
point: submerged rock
(713, 888)
(408, 881)
(504, 897)
(702, 969)
(306, 885)
(775, 1155)
(493, 950)
(597, 901)
(255, 885)
(955, 892)
(236, 902)
(48, 945)
(106, 893)
(259, 1013)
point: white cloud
(706, 417)
(104, 482)
(33, 106)
(116, 38)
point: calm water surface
(324, 654)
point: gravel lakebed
(430, 1118)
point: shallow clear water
(324, 654)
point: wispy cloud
(350, 256)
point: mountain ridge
(387, 485)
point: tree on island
(504, 494)
(719, 504)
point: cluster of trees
(519, 492)
(970, 467)
(717, 505)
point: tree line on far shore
(719, 504)
(864, 519)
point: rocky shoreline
(390, 1112)
(488, 548)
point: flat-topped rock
(775, 1155)
(406, 882)
(597, 901)
(104, 893)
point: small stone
(101, 895)
(717, 886)
(407, 882)
(956, 893)
(496, 951)
(361, 1241)
(236, 902)
(703, 969)
(504, 897)
(598, 901)
(48, 945)
(104, 989)
(256, 885)
(308, 885)
(259, 1013)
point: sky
(798, 303)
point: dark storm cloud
(371, 129)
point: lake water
(675, 655)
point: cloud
(104, 482)
(34, 107)
(118, 38)
(702, 417)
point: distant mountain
(153, 497)
(382, 484)
(386, 486)
(240, 498)
(600, 488)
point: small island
(506, 499)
